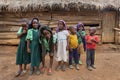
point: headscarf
(31, 23)
(80, 25)
(24, 20)
(64, 24)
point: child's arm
(68, 35)
(55, 48)
(96, 39)
(28, 46)
(20, 35)
(88, 41)
(55, 41)
(68, 44)
(67, 48)
(29, 38)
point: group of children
(36, 41)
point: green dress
(35, 47)
(22, 57)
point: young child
(46, 38)
(92, 40)
(62, 45)
(22, 57)
(73, 46)
(81, 40)
(33, 45)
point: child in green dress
(22, 57)
(33, 45)
(81, 40)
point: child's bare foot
(42, 70)
(49, 71)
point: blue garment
(73, 54)
(84, 43)
(90, 57)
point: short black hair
(72, 27)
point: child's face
(92, 31)
(53, 32)
(47, 34)
(73, 30)
(80, 28)
(35, 23)
(24, 24)
(60, 25)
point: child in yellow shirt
(73, 48)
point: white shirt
(62, 35)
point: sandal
(58, 68)
(31, 71)
(23, 72)
(64, 68)
(80, 62)
(38, 72)
(18, 73)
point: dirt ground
(107, 63)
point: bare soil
(107, 63)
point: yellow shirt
(73, 41)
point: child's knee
(51, 55)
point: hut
(103, 14)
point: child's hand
(89, 42)
(28, 50)
(67, 48)
(93, 40)
(55, 47)
(78, 47)
(70, 49)
(24, 31)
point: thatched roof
(54, 5)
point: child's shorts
(80, 49)
(50, 53)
